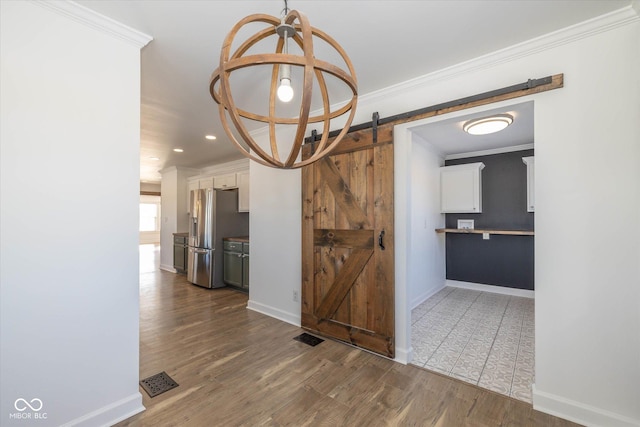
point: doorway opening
(469, 297)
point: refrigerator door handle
(200, 251)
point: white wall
(587, 191)
(276, 230)
(169, 222)
(175, 218)
(420, 252)
(70, 94)
(427, 254)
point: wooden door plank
(354, 239)
(357, 140)
(308, 249)
(361, 185)
(326, 213)
(342, 164)
(343, 282)
(373, 341)
(343, 196)
(381, 295)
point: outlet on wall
(296, 296)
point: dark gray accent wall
(502, 260)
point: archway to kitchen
(452, 321)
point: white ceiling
(447, 137)
(388, 42)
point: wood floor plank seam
(237, 367)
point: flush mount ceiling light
(178, 150)
(210, 137)
(488, 125)
(293, 25)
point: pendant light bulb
(285, 91)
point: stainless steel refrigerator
(214, 215)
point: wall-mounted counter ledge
(476, 231)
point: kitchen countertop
(242, 239)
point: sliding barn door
(347, 245)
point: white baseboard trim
(110, 414)
(491, 288)
(404, 355)
(274, 312)
(425, 296)
(578, 412)
(168, 268)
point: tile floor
(483, 338)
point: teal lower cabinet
(236, 264)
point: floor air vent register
(158, 384)
(308, 339)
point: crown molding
(232, 166)
(97, 21)
(627, 15)
(600, 24)
(490, 152)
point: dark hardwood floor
(237, 367)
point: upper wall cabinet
(461, 188)
(205, 182)
(225, 182)
(530, 162)
(243, 192)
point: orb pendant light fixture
(487, 125)
(312, 74)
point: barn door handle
(380, 241)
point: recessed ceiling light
(154, 158)
(488, 125)
(178, 150)
(210, 137)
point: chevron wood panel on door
(347, 245)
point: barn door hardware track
(529, 87)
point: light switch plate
(485, 236)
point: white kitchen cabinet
(191, 185)
(243, 191)
(225, 182)
(461, 188)
(530, 162)
(205, 182)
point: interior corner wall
(175, 218)
(587, 191)
(427, 254)
(70, 113)
(169, 211)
